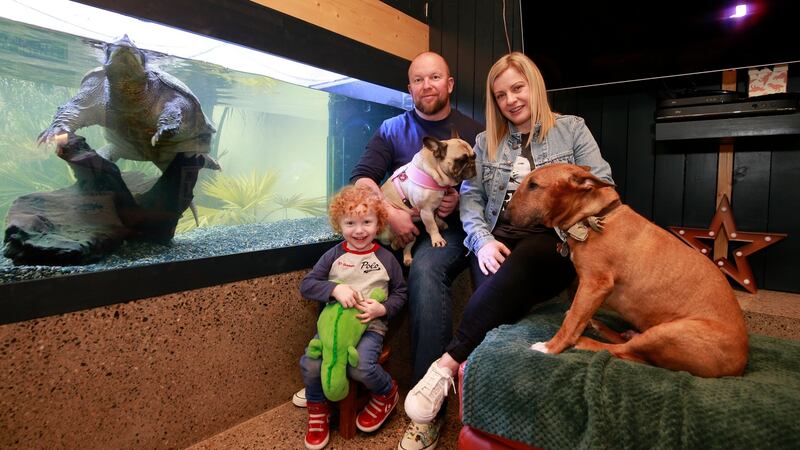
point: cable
(521, 26)
(505, 27)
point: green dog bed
(582, 399)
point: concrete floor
(770, 313)
(284, 428)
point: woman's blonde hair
(496, 123)
(356, 201)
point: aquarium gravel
(195, 244)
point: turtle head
(124, 59)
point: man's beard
(431, 109)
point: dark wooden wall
(471, 37)
(671, 184)
(674, 184)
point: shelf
(733, 127)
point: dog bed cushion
(582, 399)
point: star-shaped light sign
(723, 221)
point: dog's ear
(438, 147)
(586, 181)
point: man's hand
(399, 220)
(401, 225)
(346, 295)
(449, 203)
(491, 255)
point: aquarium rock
(83, 223)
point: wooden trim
(724, 171)
(370, 22)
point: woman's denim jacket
(568, 141)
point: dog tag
(579, 232)
(563, 249)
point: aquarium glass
(287, 134)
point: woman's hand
(449, 203)
(370, 309)
(347, 296)
(491, 255)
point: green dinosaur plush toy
(339, 332)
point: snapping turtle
(147, 114)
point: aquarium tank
(285, 135)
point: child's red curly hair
(356, 201)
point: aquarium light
(70, 17)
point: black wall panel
(615, 138)
(750, 192)
(414, 8)
(782, 271)
(700, 189)
(641, 158)
(674, 184)
(668, 188)
(471, 35)
(465, 82)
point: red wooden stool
(353, 403)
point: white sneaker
(420, 436)
(425, 399)
(299, 398)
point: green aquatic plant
(26, 108)
(235, 200)
(230, 200)
(18, 178)
(315, 206)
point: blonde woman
(513, 268)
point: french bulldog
(684, 309)
(422, 184)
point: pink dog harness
(418, 177)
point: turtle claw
(49, 135)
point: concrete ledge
(167, 371)
(162, 372)
(771, 313)
(170, 371)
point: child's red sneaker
(318, 433)
(377, 410)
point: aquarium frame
(252, 25)
(255, 26)
(32, 299)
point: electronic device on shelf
(768, 104)
(700, 98)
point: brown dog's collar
(580, 230)
(611, 206)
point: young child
(347, 273)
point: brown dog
(423, 182)
(681, 303)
